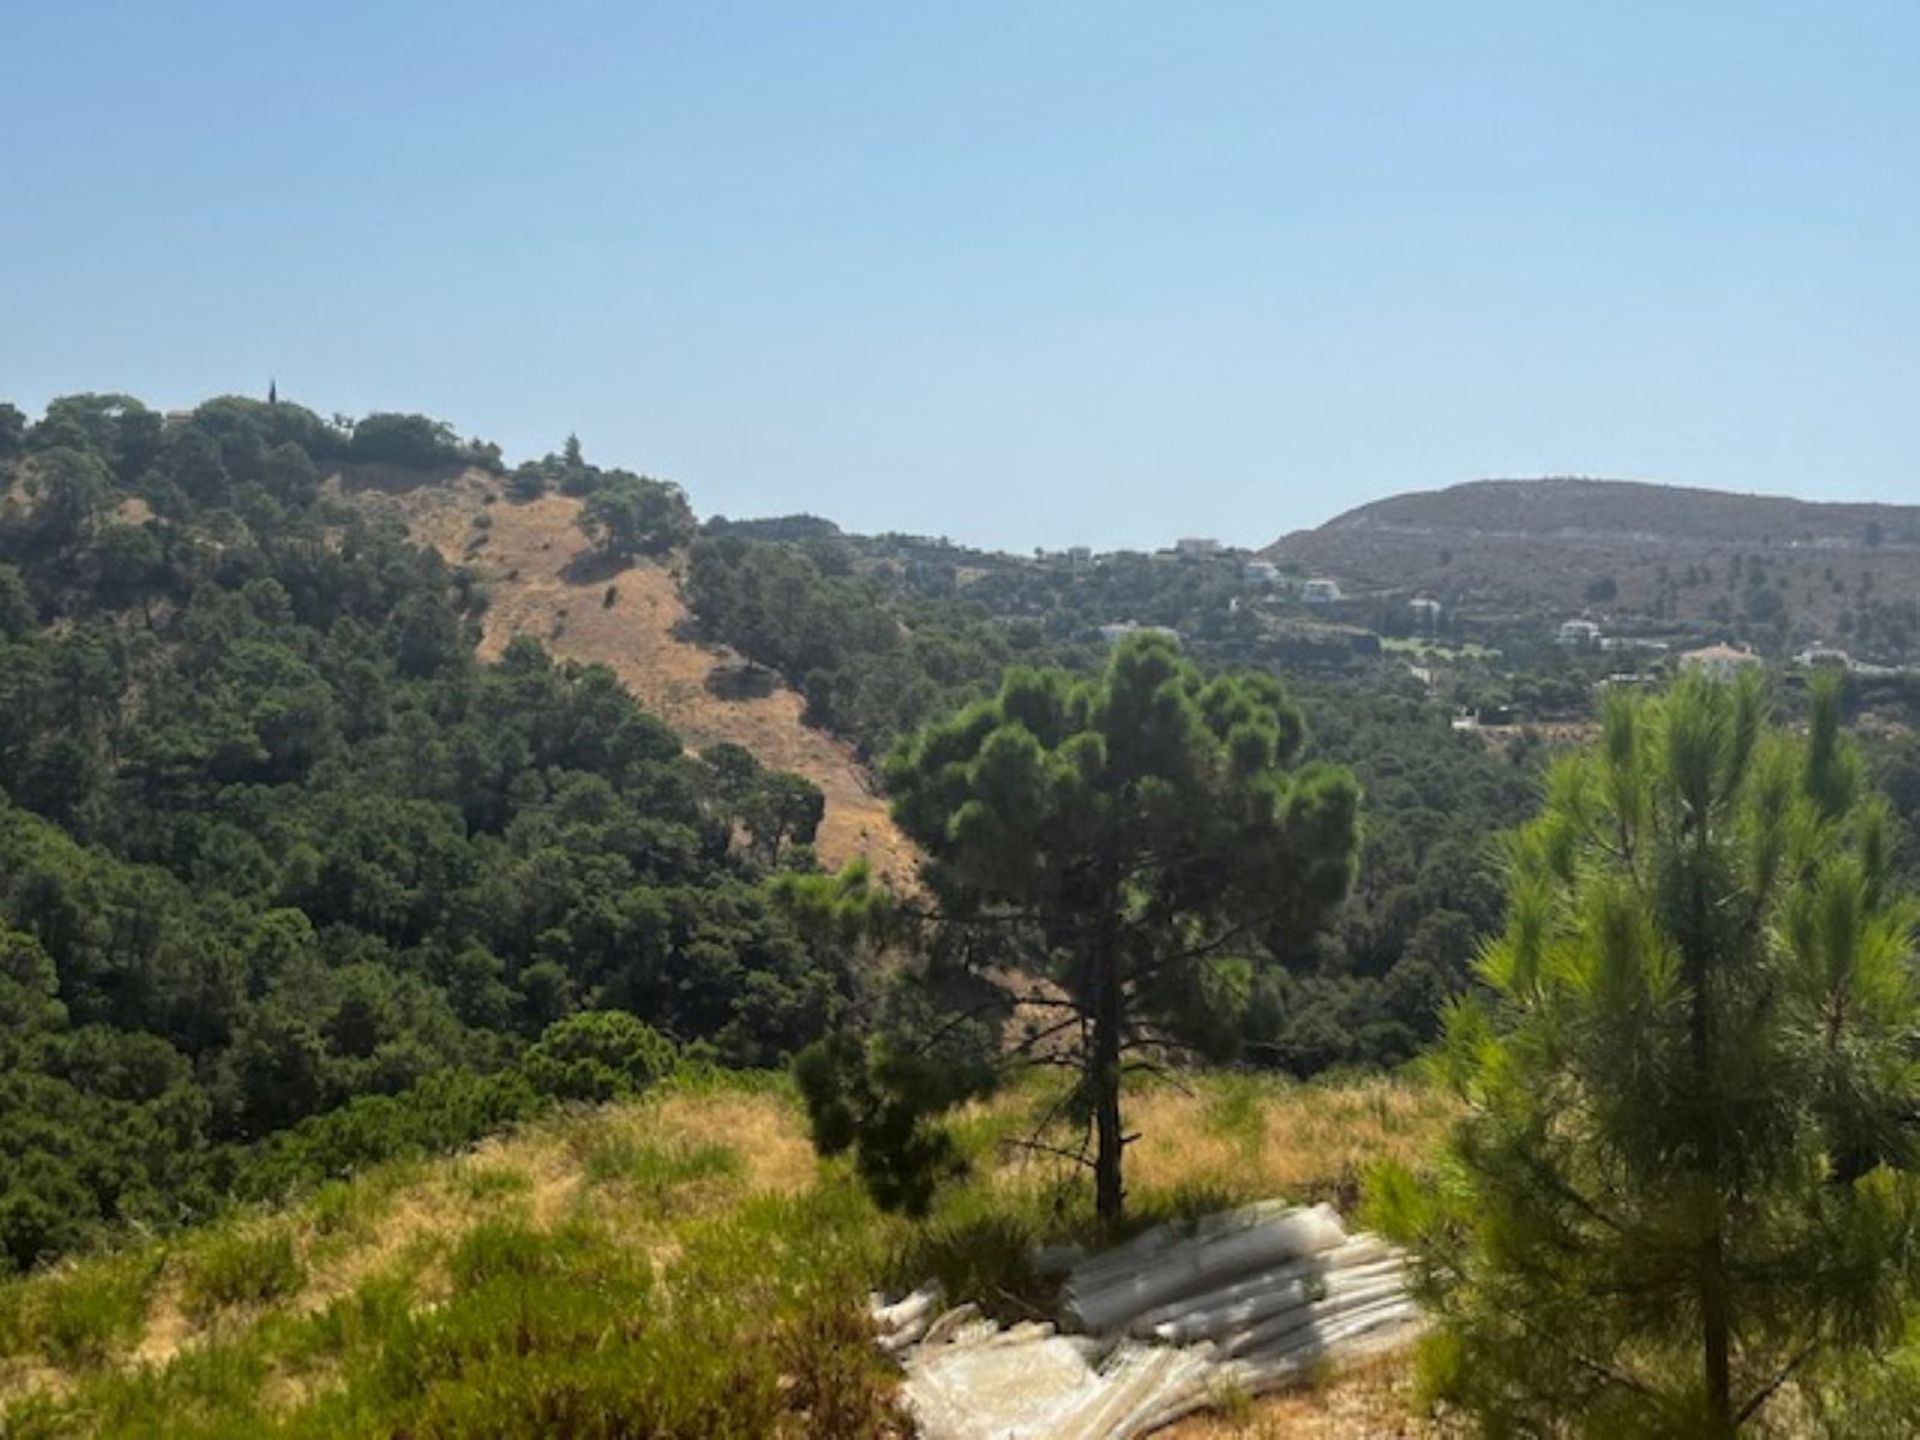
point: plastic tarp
(1243, 1302)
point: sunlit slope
(679, 1264)
(545, 581)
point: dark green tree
(13, 430)
(1683, 1178)
(630, 515)
(1136, 838)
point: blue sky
(1017, 273)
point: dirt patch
(1373, 1401)
(545, 581)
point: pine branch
(1767, 1391)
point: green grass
(80, 1315)
(241, 1266)
(1236, 1111)
(756, 1327)
(723, 1311)
(656, 1169)
(491, 1182)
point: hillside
(1777, 572)
(679, 1264)
(545, 581)
(1631, 510)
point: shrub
(598, 1055)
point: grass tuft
(241, 1267)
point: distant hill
(1772, 569)
(1632, 510)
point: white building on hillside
(1320, 592)
(1827, 656)
(1582, 633)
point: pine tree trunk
(1714, 1327)
(1715, 1320)
(1103, 1078)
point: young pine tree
(1683, 1177)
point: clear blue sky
(1021, 273)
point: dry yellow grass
(527, 552)
(1371, 1401)
(1302, 1141)
(406, 1219)
(1240, 1136)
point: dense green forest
(272, 842)
(883, 648)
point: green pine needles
(1684, 1179)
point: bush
(438, 1114)
(599, 1055)
(414, 441)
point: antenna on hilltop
(273, 392)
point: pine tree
(1683, 1177)
(1131, 844)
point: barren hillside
(545, 581)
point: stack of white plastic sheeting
(1245, 1302)
(1109, 1291)
(906, 1321)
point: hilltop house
(1197, 545)
(1320, 592)
(1581, 633)
(1261, 572)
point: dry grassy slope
(603, 1168)
(528, 555)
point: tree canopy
(275, 844)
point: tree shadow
(737, 680)
(591, 566)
